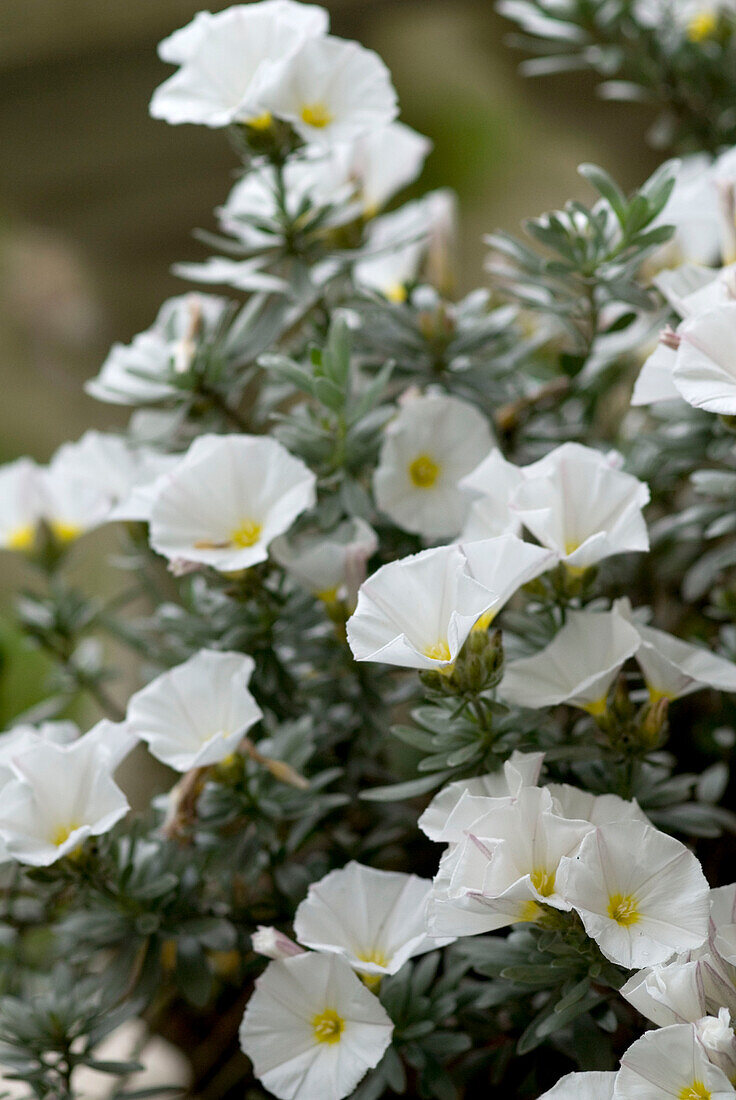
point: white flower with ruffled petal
(578, 666)
(504, 869)
(312, 1029)
(577, 502)
(330, 564)
(417, 612)
(641, 894)
(489, 488)
(433, 442)
(670, 1063)
(582, 1086)
(330, 90)
(375, 920)
(63, 795)
(227, 499)
(503, 565)
(197, 713)
(225, 57)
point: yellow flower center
(696, 1091)
(317, 115)
(328, 1026)
(440, 651)
(22, 537)
(623, 909)
(655, 694)
(543, 881)
(702, 26)
(327, 595)
(377, 957)
(482, 624)
(423, 471)
(530, 911)
(397, 293)
(247, 534)
(62, 833)
(65, 532)
(261, 122)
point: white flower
(146, 370)
(693, 210)
(21, 504)
(579, 504)
(227, 499)
(641, 894)
(577, 667)
(110, 471)
(505, 867)
(490, 487)
(225, 58)
(670, 1064)
(704, 372)
(383, 161)
(521, 770)
(503, 565)
(419, 235)
(672, 668)
(197, 713)
(64, 794)
(312, 1029)
(330, 90)
(693, 983)
(375, 920)
(599, 809)
(582, 1086)
(332, 565)
(417, 612)
(433, 442)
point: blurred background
(97, 200)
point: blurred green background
(97, 200)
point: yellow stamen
(482, 624)
(65, 532)
(317, 115)
(597, 707)
(261, 122)
(543, 881)
(530, 911)
(696, 1091)
(328, 1026)
(623, 909)
(440, 651)
(703, 25)
(377, 957)
(62, 833)
(655, 694)
(327, 595)
(423, 471)
(397, 293)
(22, 537)
(247, 534)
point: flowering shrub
(418, 591)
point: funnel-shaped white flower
(402, 246)
(383, 161)
(417, 612)
(373, 919)
(227, 499)
(672, 668)
(503, 565)
(489, 488)
(670, 1063)
(505, 867)
(197, 713)
(579, 504)
(330, 90)
(64, 794)
(331, 564)
(577, 667)
(312, 1029)
(433, 442)
(641, 894)
(225, 57)
(705, 366)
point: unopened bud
(273, 944)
